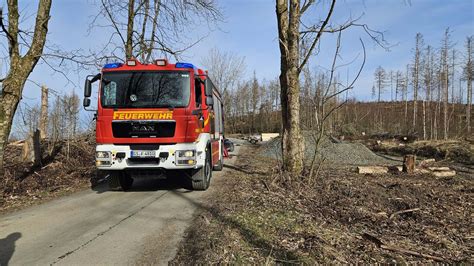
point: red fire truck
(157, 119)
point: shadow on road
(147, 185)
(7, 247)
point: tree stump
(409, 164)
(32, 149)
(36, 148)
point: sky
(250, 30)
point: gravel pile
(344, 153)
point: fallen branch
(404, 211)
(413, 253)
(381, 245)
(265, 184)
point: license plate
(143, 154)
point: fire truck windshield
(144, 89)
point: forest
(430, 97)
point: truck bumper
(166, 156)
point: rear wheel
(201, 178)
(119, 180)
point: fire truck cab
(157, 119)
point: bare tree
(416, 75)
(380, 82)
(298, 41)
(468, 73)
(288, 18)
(143, 29)
(391, 84)
(405, 95)
(254, 98)
(226, 70)
(399, 83)
(20, 65)
(445, 80)
(428, 76)
(381, 79)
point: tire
(201, 178)
(220, 164)
(119, 180)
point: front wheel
(201, 178)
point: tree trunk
(469, 77)
(445, 105)
(20, 67)
(8, 105)
(131, 18)
(43, 125)
(469, 106)
(288, 32)
(424, 120)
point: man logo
(143, 128)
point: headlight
(187, 157)
(102, 163)
(102, 154)
(183, 154)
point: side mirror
(87, 89)
(209, 101)
(208, 87)
(86, 102)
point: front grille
(143, 129)
(143, 161)
(144, 173)
(141, 147)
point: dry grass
(345, 217)
(61, 173)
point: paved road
(98, 226)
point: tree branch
(318, 36)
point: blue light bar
(184, 65)
(113, 65)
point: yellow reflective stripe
(207, 120)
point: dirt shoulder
(344, 217)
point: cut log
(426, 162)
(422, 171)
(444, 173)
(439, 169)
(409, 164)
(372, 169)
